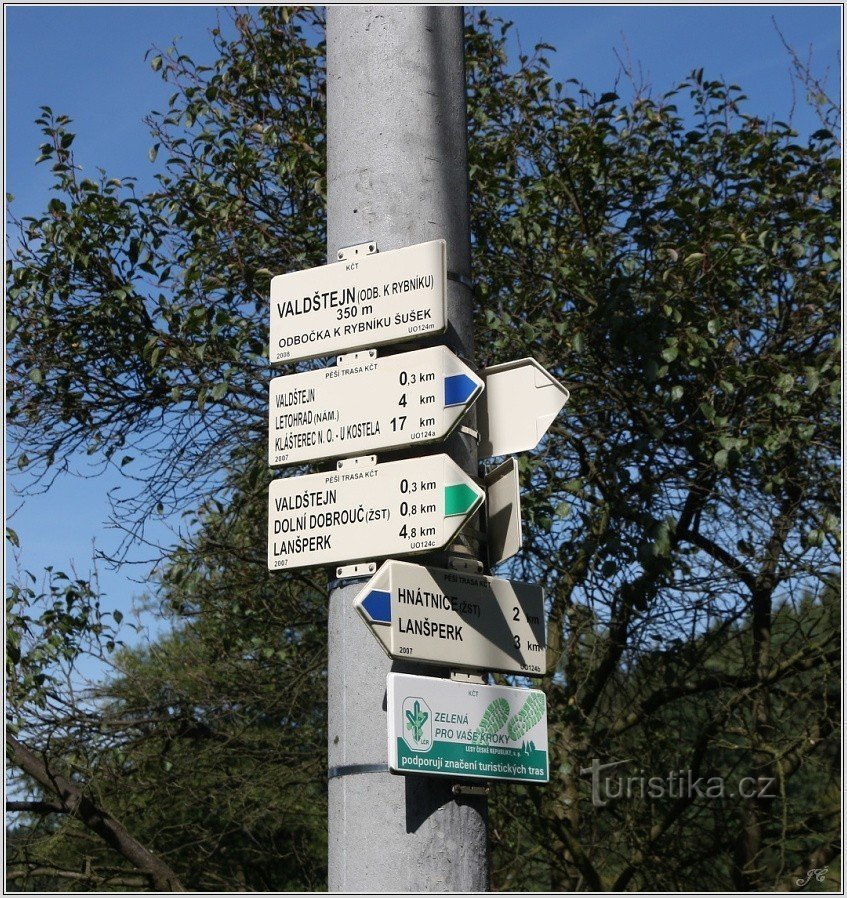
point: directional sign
(446, 728)
(504, 528)
(366, 404)
(456, 619)
(359, 303)
(364, 510)
(521, 401)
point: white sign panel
(456, 619)
(520, 403)
(359, 303)
(446, 728)
(364, 511)
(504, 528)
(366, 404)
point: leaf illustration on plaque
(528, 716)
(493, 719)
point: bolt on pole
(397, 175)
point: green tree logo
(417, 723)
(415, 720)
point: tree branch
(35, 807)
(711, 548)
(132, 882)
(77, 804)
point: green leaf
(814, 538)
(812, 379)
(784, 382)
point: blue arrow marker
(377, 603)
(458, 388)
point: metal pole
(397, 174)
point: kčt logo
(417, 718)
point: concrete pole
(397, 174)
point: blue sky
(88, 63)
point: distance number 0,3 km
(411, 486)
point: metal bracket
(462, 789)
(473, 434)
(353, 769)
(362, 461)
(354, 571)
(353, 358)
(357, 249)
(465, 676)
(470, 533)
(465, 564)
(460, 279)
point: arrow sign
(376, 606)
(364, 510)
(367, 404)
(359, 303)
(456, 619)
(520, 403)
(504, 527)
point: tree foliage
(673, 259)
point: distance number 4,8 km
(407, 532)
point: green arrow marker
(459, 498)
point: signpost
(456, 619)
(365, 510)
(359, 303)
(446, 728)
(365, 404)
(520, 403)
(504, 527)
